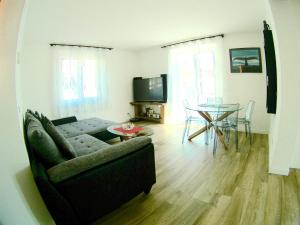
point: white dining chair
(191, 116)
(230, 122)
(246, 120)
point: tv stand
(158, 111)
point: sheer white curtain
(195, 73)
(80, 80)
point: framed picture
(245, 60)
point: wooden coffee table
(146, 131)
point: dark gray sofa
(98, 180)
(96, 127)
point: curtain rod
(83, 46)
(218, 35)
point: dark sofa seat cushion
(42, 143)
(85, 144)
(86, 126)
(62, 143)
(83, 163)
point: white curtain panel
(80, 80)
(195, 73)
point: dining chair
(191, 116)
(230, 122)
(247, 119)
(214, 100)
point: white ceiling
(138, 24)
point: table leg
(203, 129)
(207, 117)
(219, 133)
(221, 137)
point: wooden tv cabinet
(140, 113)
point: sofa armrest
(64, 120)
(81, 164)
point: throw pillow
(43, 144)
(62, 143)
(30, 117)
(35, 114)
(38, 115)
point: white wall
(153, 62)
(36, 66)
(237, 87)
(241, 87)
(284, 18)
(122, 67)
(20, 202)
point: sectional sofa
(80, 177)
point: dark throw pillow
(30, 117)
(38, 116)
(62, 143)
(43, 144)
(35, 114)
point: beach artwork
(245, 60)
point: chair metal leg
(250, 134)
(236, 138)
(211, 133)
(215, 144)
(184, 131)
(188, 128)
(246, 130)
(206, 136)
(227, 135)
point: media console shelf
(156, 111)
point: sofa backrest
(41, 142)
(49, 193)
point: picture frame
(245, 60)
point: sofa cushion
(86, 126)
(85, 144)
(83, 163)
(62, 143)
(42, 143)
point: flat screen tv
(150, 89)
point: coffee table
(146, 131)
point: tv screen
(150, 89)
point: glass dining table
(213, 113)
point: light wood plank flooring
(193, 187)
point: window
(79, 80)
(195, 74)
(206, 81)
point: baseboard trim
(284, 172)
(254, 131)
(294, 166)
(260, 132)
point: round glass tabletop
(215, 107)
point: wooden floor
(193, 187)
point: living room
(28, 84)
(129, 60)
